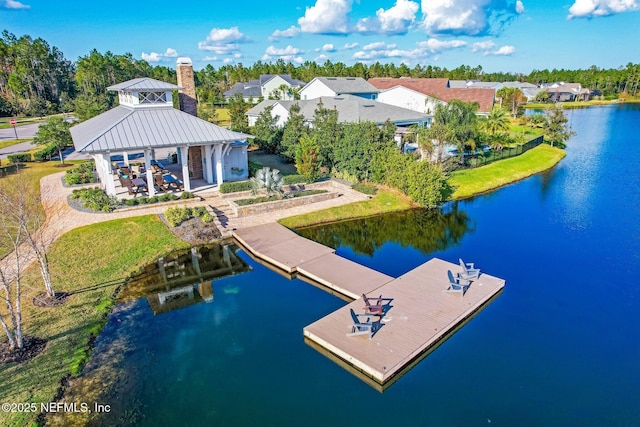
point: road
(24, 132)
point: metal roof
(124, 128)
(144, 83)
(351, 109)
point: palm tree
(496, 122)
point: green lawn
(92, 273)
(575, 104)
(383, 202)
(470, 182)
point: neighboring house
(145, 121)
(336, 86)
(350, 108)
(423, 94)
(268, 85)
(563, 92)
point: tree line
(36, 78)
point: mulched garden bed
(33, 346)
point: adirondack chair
(378, 308)
(457, 284)
(468, 270)
(159, 182)
(360, 327)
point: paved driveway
(24, 132)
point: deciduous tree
(54, 132)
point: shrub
(19, 158)
(45, 154)
(177, 216)
(254, 167)
(295, 179)
(186, 195)
(82, 174)
(95, 199)
(233, 187)
(202, 213)
(365, 188)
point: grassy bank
(91, 273)
(383, 202)
(574, 104)
(470, 182)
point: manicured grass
(91, 263)
(385, 201)
(470, 182)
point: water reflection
(426, 230)
(184, 278)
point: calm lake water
(560, 346)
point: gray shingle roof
(144, 83)
(246, 89)
(348, 85)
(123, 128)
(351, 109)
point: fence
(482, 159)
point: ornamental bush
(234, 187)
(82, 174)
(176, 216)
(19, 158)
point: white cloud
(289, 33)
(594, 8)
(289, 54)
(151, 57)
(329, 47)
(157, 57)
(378, 46)
(482, 46)
(237, 55)
(227, 60)
(435, 45)
(210, 58)
(395, 20)
(223, 41)
(12, 4)
(326, 17)
(350, 46)
(406, 56)
(469, 17)
(321, 58)
(504, 51)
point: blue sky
(502, 35)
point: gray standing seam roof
(348, 85)
(144, 83)
(123, 128)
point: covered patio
(146, 122)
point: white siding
(410, 99)
(272, 85)
(315, 89)
(282, 113)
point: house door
(195, 163)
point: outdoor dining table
(139, 182)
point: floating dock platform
(421, 314)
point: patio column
(97, 158)
(219, 179)
(153, 154)
(208, 170)
(108, 175)
(125, 158)
(147, 166)
(184, 155)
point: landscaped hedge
(45, 154)
(233, 187)
(176, 216)
(156, 199)
(365, 188)
(19, 157)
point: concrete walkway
(62, 218)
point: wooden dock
(420, 317)
(421, 314)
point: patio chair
(159, 182)
(125, 170)
(378, 308)
(457, 284)
(360, 327)
(468, 270)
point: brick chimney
(186, 96)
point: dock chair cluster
(461, 282)
(372, 307)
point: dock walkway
(421, 315)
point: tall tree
(54, 133)
(237, 110)
(268, 134)
(511, 98)
(326, 129)
(293, 131)
(308, 157)
(557, 129)
(496, 122)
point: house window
(152, 97)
